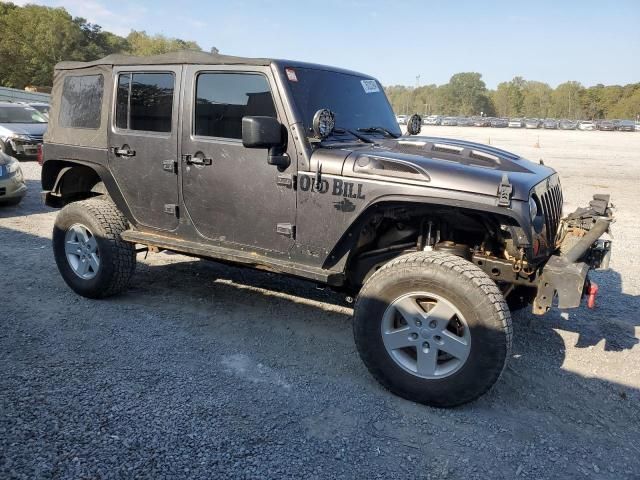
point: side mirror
(266, 132)
(261, 132)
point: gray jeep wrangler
(302, 169)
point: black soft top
(181, 57)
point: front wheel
(433, 328)
(92, 258)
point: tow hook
(592, 292)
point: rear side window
(145, 101)
(81, 104)
(222, 99)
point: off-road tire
(117, 257)
(471, 291)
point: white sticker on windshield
(370, 86)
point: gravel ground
(207, 371)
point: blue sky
(551, 41)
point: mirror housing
(266, 132)
(262, 132)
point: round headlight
(533, 208)
(324, 121)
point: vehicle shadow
(611, 322)
(31, 204)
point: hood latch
(505, 189)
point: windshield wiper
(379, 129)
(342, 131)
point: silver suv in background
(21, 130)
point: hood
(36, 129)
(435, 162)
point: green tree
(33, 40)
(567, 100)
(536, 101)
(468, 93)
(140, 43)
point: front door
(143, 143)
(230, 192)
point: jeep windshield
(19, 114)
(359, 103)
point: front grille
(36, 138)
(551, 203)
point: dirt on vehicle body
(301, 169)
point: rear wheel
(433, 328)
(92, 258)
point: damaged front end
(580, 249)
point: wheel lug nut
(433, 324)
(425, 347)
(418, 323)
(413, 336)
(437, 339)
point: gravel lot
(207, 371)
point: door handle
(124, 151)
(197, 159)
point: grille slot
(551, 203)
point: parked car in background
(586, 125)
(21, 129)
(465, 122)
(12, 184)
(531, 123)
(516, 123)
(481, 122)
(449, 121)
(567, 125)
(606, 126)
(432, 120)
(43, 108)
(637, 126)
(401, 119)
(550, 124)
(500, 123)
(626, 126)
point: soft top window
(81, 103)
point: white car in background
(432, 120)
(587, 125)
(516, 123)
(401, 119)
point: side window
(222, 99)
(144, 101)
(81, 103)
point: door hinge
(171, 209)
(286, 229)
(170, 166)
(287, 180)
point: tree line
(466, 94)
(34, 38)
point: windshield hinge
(505, 189)
(287, 180)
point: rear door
(230, 192)
(143, 142)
